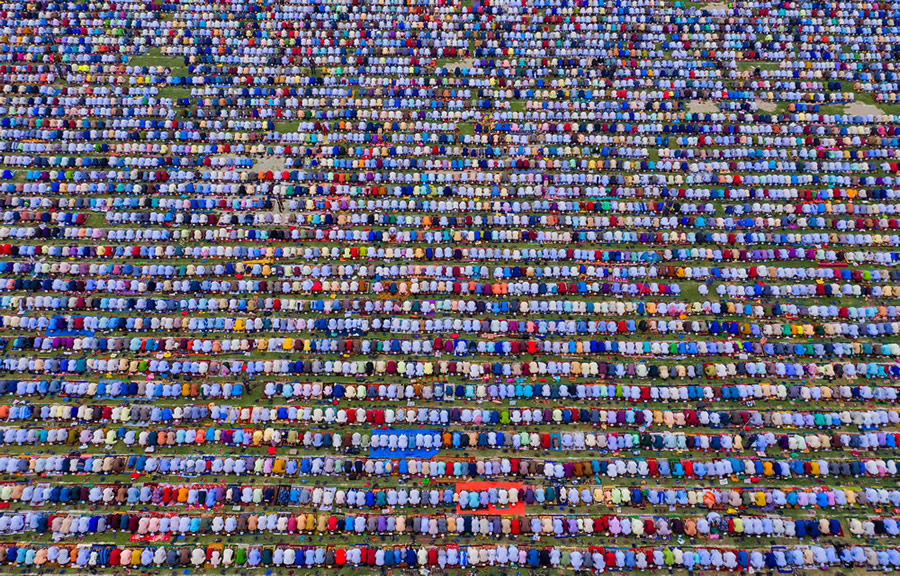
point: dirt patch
(264, 164)
(467, 63)
(702, 106)
(862, 109)
(269, 163)
(766, 106)
(715, 6)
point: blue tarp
(410, 452)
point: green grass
(693, 4)
(174, 92)
(155, 57)
(287, 126)
(831, 109)
(466, 128)
(452, 64)
(749, 65)
(890, 108)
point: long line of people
(462, 308)
(180, 366)
(378, 417)
(592, 276)
(422, 244)
(437, 392)
(77, 333)
(149, 390)
(355, 467)
(710, 526)
(455, 440)
(543, 340)
(206, 197)
(321, 498)
(595, 558)
(418, 256)
(471, 309)
(616, 287)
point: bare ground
(703, 106)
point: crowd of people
(269, 497)
(443, 284)
(596, 558)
